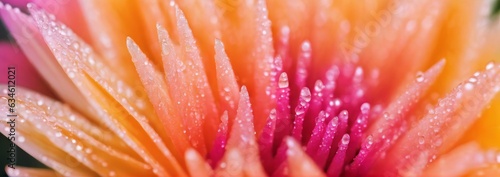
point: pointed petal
(250, 45)
(387, 128)
(62, 139)
(179, 88)
(299, 163)
(453, 163)
(443, 126)
(27, 171)
(69, 13)
(220, 141)
(112, 98)
(31, 42)
(226, 81)
(156, 88)
(197, 165)
(242, 153)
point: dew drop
(469, 86)
(345, 139)
(344, 115)
(306, 46)
(370, 141)
(305, 93)
(299, 111)
(386, 115)
(318, 86)
(337, 102)
(21, 139)
(285, 30)
(283, 81)
(490, 65)
(365, 108)
(421, 140)
(272, 114)
(420, 77)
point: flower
(256, 88)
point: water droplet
(79, 148)
(318, 86)
(306, 46)
(345, 139)
(387, 115)
(305, 93)
(278, 63)
(370, 141)
(337, 102)
(283, 81)
(299, 111)
(420, 77)
(285, 30)
(490, 65)
(469, 86)
(365, 108)
(344, 115)
(112, 173)
(21, 139)
(421, 140)
(272, 114)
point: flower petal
(26, 171)
(443, 126)
(112, 98)
(453, 163)
(63, 139)
(197, 165)
(242, 153)
(31, 42)
(12, 56)
(299, 163)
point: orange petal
(112, 98)
(443, 125)
(454, 163)
(29, 39)
(226, 81)
(156, 88)
(299, 163)
(197, 165)
(26, 171)
(247, 37)
(242, 154)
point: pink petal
(26, 76)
